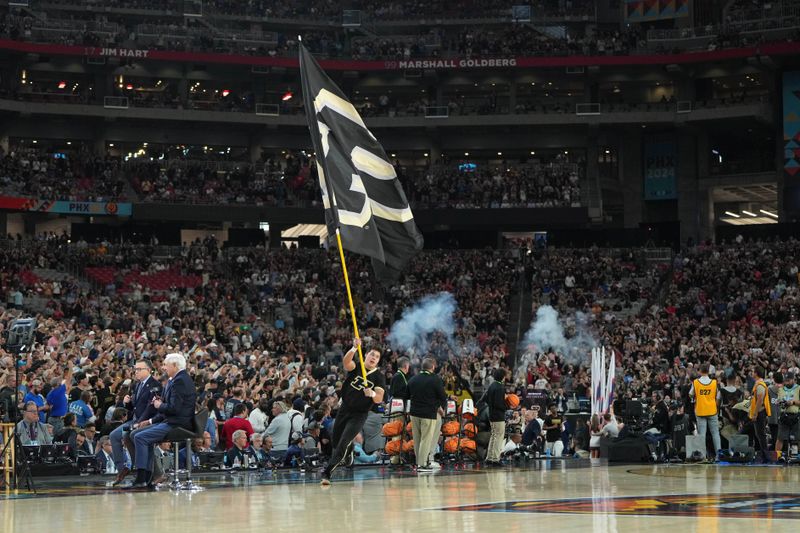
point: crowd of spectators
(72, 175)
(268, 326)
(510, 41)
(287, 180)
(111, 30)
(535, 184)
(262, 327)
(280, 181)
(322, 10)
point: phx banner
(660, 169)
(64, 207)
(646, 10)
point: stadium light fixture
(225, 92)
(129, 87)
(533, 153)
(465, 153)
(62, 85)
(425, 154)
(499, 153)
(287, 96)
(734, 215)
(746, 212)
(768, 213)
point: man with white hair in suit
(176, 409)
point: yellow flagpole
(350, 301)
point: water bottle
(247, 461)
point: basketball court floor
(562, 496)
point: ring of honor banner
(64, 207)
(649, 10)
(660, 169)
(791, 124)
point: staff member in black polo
(398, 390)
(428, 401)
(495, 396)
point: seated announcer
(176, 409)
(30, 431)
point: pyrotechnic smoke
(433, 316)
(547, 333)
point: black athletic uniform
(352, 413)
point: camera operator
(8, 399)
(775, 406)
(706, 396)
(789, 420)
(513, 442)
(660, 412)
(760, 409)
(680, 428)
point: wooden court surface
(570, 496)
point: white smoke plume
(430, 320)
(571, 339)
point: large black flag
(360, 191)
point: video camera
(523, 452)
(20, 334)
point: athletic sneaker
(349, 455)
(326, 479)
(427, 469)
(434, 465)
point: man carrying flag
(359, 396)
(367, 210)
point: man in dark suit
(175, 410)
(140, 406)
(105, 463)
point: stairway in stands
(37, 304)
(520, 315)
